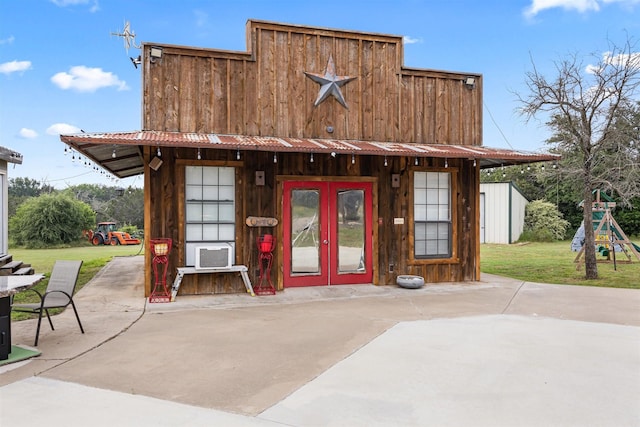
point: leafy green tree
(124, 206)
(27, 187)
(628, 218)
(128, 208)
(543, 222)
(50, 220)
(586, 105)
(20, 189)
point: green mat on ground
(19, 353)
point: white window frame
(433, 215)
(210, 207)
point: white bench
(242, 269)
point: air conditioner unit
(215, 255)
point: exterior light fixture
(159, 153)
(446, 162)
(199, 155)
(416, 162)
(385, 161)
(113, 153)
(353, 159)
(311, 158)
(156, 54)
(275, 158)
(470, 82)
(238, 155)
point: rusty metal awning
(120, 153)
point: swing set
(609, 237)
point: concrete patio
(496, 352)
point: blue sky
(61, 70)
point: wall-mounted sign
(261, 221)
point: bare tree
(584, 103)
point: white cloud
(8, 40)
(631, 60)
(623, 2)
(62, 129)
(85, 79)
(65, 3)
(581, 6)
(14, 66)
(411, 40)
(27, 133)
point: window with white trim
(210, 207)
(432, 214)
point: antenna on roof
(129, 37)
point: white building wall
(4, 208)
(504, 212)
(518, 206)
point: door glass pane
(350, 231)
(305, 238)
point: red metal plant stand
(160, 249)
(266, 244)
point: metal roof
(120, 153)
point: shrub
(543, 223)
(50, 220)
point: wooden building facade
(362, 169)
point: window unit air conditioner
(216, 255)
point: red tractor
(106, 234)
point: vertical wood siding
(264, 92)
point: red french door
(327, 233)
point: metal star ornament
(330, 83)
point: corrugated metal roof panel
(93, 146)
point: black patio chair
(59, 293)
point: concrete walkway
(497, 353)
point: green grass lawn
(553, 263)
(42, 260)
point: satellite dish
(129, 37)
